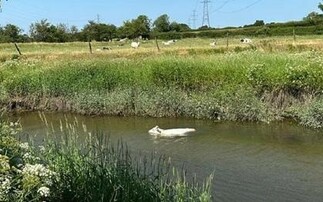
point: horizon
(222, 13)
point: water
(251, 162)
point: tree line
(142, 26)
(44, 31)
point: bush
(312, 115)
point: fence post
(157, 44)
(227, 40)
(90, 46)
(17, 48)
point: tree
(179, 27)
(46, 32)
(10, 33)
(259, 23)
(313, 18)
(42, 31)
(135, 27)
(98, 31)
(162, 24)
(320, 6)
(141, 26)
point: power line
(221, 6)
(241, 9)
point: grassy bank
(245, 83)
(94, 170)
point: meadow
(270, 79)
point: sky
(222, 13)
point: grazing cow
(106, 48)
(246, 40)
(213, 44)
(167, 43)
(135, 44)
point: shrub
(312, 115)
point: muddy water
(251, 162)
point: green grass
(254, 83)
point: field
(269, 79)
(301, 43)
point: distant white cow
(123, 40)
(246, 40)
(213, 43)
(167, 43)
(135, 44)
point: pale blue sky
(222, 13)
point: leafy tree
(135, 27)
(320, 6)
(259, 23)
(46, 32)
(162, 24)
(179, 27)
(141, 26)
(313, 18)
(39, 31)
(10, 33)
(61, 33)
(98, 31)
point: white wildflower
(4, 163)
(43, 191)
(38, 170)
(41, 148)
(27, 156)
(24, 145)
(4, 185)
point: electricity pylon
(206, 18)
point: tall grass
(248, 85)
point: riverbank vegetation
(270, 79)
(95, 170)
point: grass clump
(312, 114)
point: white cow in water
(176, 132)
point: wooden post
(227, 40)
(157, 44)
(90, 47)
(17, 48)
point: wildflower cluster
(22, 174)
